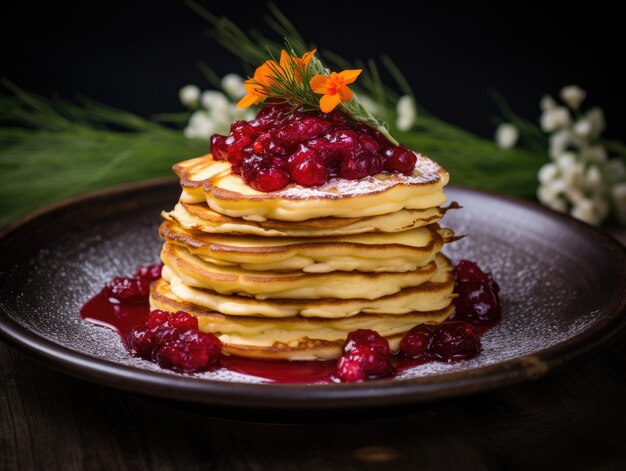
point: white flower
(189, 96)
(573, 175)
(547, 103)
(559, 141)
(547, 195)
(595, 116)
(407, 113)
(601, 206)
(618, 195)
(233, 84)
(200, 126)
(573, 96)
(566, 161)
(548, 173)
(506, 136)
(583, 128)
(555, 118)
(586, 211)
(593, 178)
(595, 153)
(215, 102)
(573, 194)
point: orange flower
(296, 64)
(256, 86)
(334, 88)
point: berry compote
(282, 145)
(173, 340)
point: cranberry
(369, 143)
(373, 362)
(454, 341)
(183, 320)
(467, 270)
(128, 289)
(302, 130)
(415, 342)
(366, 338)
(157, 318)
(399, 159)
(191, 352)
(162, 335)
(306, 170)
(140, 342)
(270, 179)
(219, 147)
(150, 272)
(266, 151)
(350, 370)
(477, 303)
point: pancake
(430, 296)
(293, 338)
(204, 179)
(290, 285)
(202, 218)
(395, 252)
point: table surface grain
(573, 419)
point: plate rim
(381, 393)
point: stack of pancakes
(288, 274)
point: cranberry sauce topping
(477, 300)
(282, 146)
(173, 341)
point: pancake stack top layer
(289, 274)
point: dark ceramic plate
(563, 287)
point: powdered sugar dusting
(547, 300)
(426, 172)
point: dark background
(135, 55)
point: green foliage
(51, 149)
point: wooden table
(573, 419)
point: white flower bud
(547, 103)
(559, 141)
(583, 128)
(595, 116)
(565, 161)
(216, 102)
(593, 178)
(407, 113)
(574, 195)
(595, 153)
(585, 211)
(233, 84)
(555, 118)
(551, 199)
(548, 173)
(506, 136)
(573, 96)
(200, 126)
(189, 96)
(573, 175)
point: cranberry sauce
(173, 341)
(283, 145)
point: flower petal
(319, 84)
(285, 59)
(329, 102)
(345, 93)
(350, 75)
(307, 56)
(250, 100)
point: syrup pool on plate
(173, 340)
